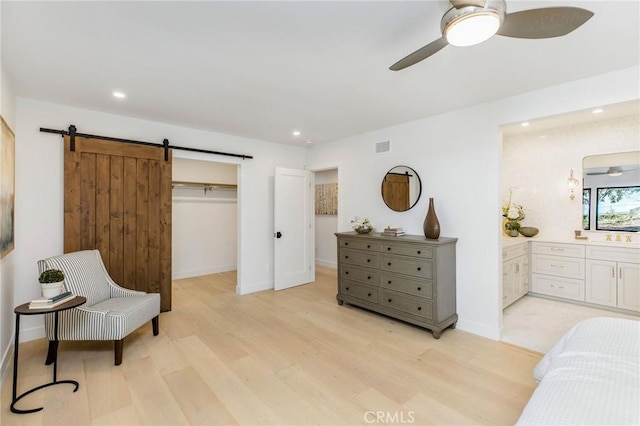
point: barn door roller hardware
(72, 133)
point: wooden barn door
(117, 199)
(395, 191)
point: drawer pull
(557, 266)
(346, 257)
(419, 288)
(556, 249)
(389, 264)
(369, 294)
(419, 268)
(389, 300)
(346, 288)
(418, 251)
(389, 282)
(419, 308)
(368, 246)
(368, 277)
(346, 272)
(388, 248)
(346, 244)
(560, 287)
(613, 272)
(368, 260)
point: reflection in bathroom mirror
(611, 192)
(401, 188)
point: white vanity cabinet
(558, 269)
(613, 277)
(515, 273)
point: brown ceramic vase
(431, 225)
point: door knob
(278, 234)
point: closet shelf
(205, 186)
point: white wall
(39, 187)
(326, 226)
(539, 163)
(458, 156)
(204, 230)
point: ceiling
(264, 69)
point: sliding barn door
(117, 199)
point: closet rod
(72, 132)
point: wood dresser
(409, 278)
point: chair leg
(52, 353)
(154, 323)
(118, 345)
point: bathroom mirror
(401, 188)
(611, 192)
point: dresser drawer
(556, 265)
(560, 287)
(359, 257)
(367, 276)
(408, 304)
(421, 288)
(514, 251)
(360, 244)
(558, 249)
(359, 290)
(407, 250)
(407, 265)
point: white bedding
(590, 377)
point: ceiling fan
(471, 22)
(612, 171)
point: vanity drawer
(367, 276)
(359, 290)
(514, 251)
(359, 244)
(559, 249)
(407, 265)
(408, 304)
(359, 257)
(560, 266)
(421, 288)
(614, 254)
(407, 250)
(559, 287)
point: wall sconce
(572, 183)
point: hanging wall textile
(327, 198)
(7, 189)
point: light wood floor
(292, 357)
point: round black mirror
(401, 188)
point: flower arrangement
(514, 214)
(362, 226)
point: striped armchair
(110, 313)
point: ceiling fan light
(473, 28)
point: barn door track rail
(72, 133)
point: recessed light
(597, 111)
(309, 142)
(296, 133)
(525, 124)
(119, 95)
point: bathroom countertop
(510, 241)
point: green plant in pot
(51, 282)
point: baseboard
(7, 357)
(483, 330)
(198, 272)
(328, 263)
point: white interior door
(293, 228)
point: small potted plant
(51, 282)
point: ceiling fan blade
(420, 54)
(462, 3)
(546, 22)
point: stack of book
(393, 231)
(50, 302)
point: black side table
(24, 310)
